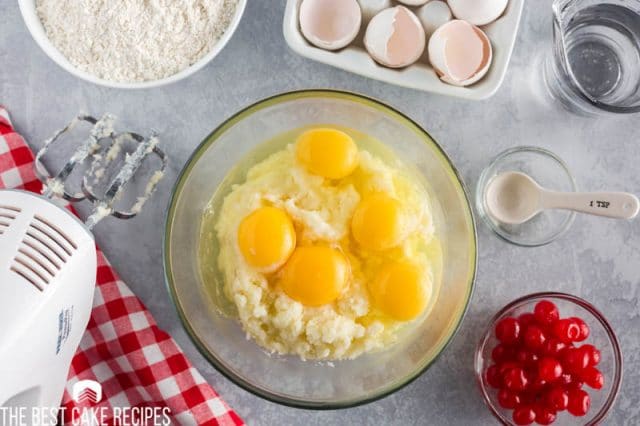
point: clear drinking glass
(595, 63)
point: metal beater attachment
(98, 153)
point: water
(602, 50)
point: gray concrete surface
(598, 259)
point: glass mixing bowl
(287, 379)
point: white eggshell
(433, 15)
(460, 53)
(371, 8)
(435, 51)
(387, 34)
(413, 2)
(484, 68)
(478, 12)
(330, 24)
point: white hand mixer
(48, 261)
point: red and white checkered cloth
(137, 364)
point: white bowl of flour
(132, 44)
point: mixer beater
(100, 149)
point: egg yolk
(377, 222)
(398, 292)
(327, 152)
(266, 238)
(315, 275)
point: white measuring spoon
(514, 198)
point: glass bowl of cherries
(549, 358)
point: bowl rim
(33, 24)
(169, 217)
(619, 361)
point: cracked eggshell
(330, 24)
(395, 37)
(433, 15)
(460, 53)
(478, 12)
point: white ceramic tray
(421, 75)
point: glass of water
(595, 63)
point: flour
(135, 40)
